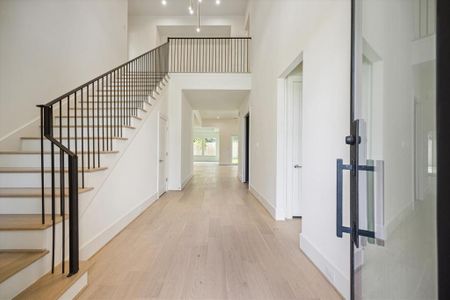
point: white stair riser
(32, 239)
(33, 180)
(98, 131)
(38, 239)
(35, 145)
(120, 103)
(34, 160)
(33, 205)
(93, 121)
(30, 205)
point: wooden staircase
(26, 242)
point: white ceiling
(219, 114)
(180, 8)
(211, 104)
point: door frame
(246, 160)
(163, 117)
(282, 139)
(443, 145)
(292, 147)
(443, 140)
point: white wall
(321, 31)
(48, 47)
(120, 199)
(187, 158)
(143, 30)
(227, 129)
(178, 147)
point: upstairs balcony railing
(77, 127)
(209, 55)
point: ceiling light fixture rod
(198, 15)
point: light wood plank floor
(211, 241)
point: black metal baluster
(95, 97)
(103, 114)
(76, 125)
(42, 167)
(62, 199)
(82, 137)
(60, 122)
(68, 118)
(88, 129)
(53, 202)
(98, 122)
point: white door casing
(162, 155)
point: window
(210, 148)
(205, 146)
(198, 147)
(234, 149)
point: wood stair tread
(46, 170)
(10, 222)
(35, 192)
(52, 286)
(13, 261)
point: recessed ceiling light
(164, 2)
(218, 2)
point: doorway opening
(246, 158)
(294, 93)
(162, 155)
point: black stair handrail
(117, 96)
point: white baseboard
(186, 181)
(328, 269)
(76, 288)
(91, 247)
(269, 207)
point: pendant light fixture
(198, 15)
(191, 8)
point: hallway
(213, 240)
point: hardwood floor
(211, 241)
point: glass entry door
(393, 150)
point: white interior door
(294, 151)
(162, 178)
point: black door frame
(443, 143)
(247, 149)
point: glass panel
(234, 149)
(198, 147)
(396, 94)
(210, 147)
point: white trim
(186, 181)
(163, 117)
(95, 244)
(266, 204)
(17, 283)
(282, 137)
(76, 288)
(328, 269)
(19, 129)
